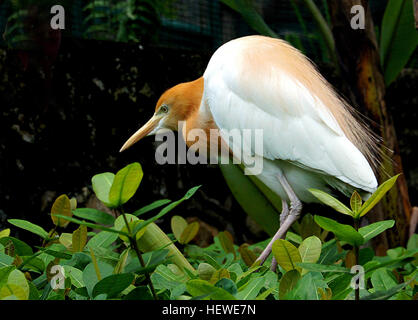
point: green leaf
(79, 239)
(178, 224)
(102, 240)
(61, 207)
(26, 225)
(189, 232)
(374, 229)
(310, 250)
(343, 232)
(247, 255)
(125, 184)
(20, 247)
(199, 288)
(94, 215)
(288, 282)
(101, 186)
(377, 195)
(32, 263)
(152, 206)
(412, 242)
(399, 38)
(4, 233)
(205, 271)
(286, 254)
(323, 268)
(228, 285)
(95, 226)
(16, 288)
(331, 202)
(254, 197)
(307, 287)
(384, 295)
(226, 242)
(383, 280)
(76, 276)
(139, 293)
(251, 289)
(90, 275)
(355, 202)
(4, 274)
(113, 285)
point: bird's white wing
(296, 125)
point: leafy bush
(125, 257)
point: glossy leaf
(251, 289)
(377, 195)
(178, 224)
(152, 206)
(247, 255)
(399, 38)
(76, 276)
(95, 226)
(61, 207)
(226, 242)
(323, 268)
(310, 250)
(125, 184)
(198, 288)
(4, 233)
(288, 282)
(330, 201)
(355, 202)
(94, 215)
(90, 277)
(16, 288)
(343, 232)
(205, 271)
(28, 226)
(189, 232)
(102, 239)
(374, 229)
(79, 239)
(383, 280)
(253, 200)
(218, 275)
(101, 186)
(113, 285)
(286, 254)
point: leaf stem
(132, 241)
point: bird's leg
(285, 212)
(292, 216)
(283, 216)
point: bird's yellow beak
(145, 130)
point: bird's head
(176, 104)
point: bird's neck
(196, 119)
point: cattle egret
(310, 137)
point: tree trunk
(358, 53)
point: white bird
(310, 137)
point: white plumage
(301, 135)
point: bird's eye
(163, 109)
